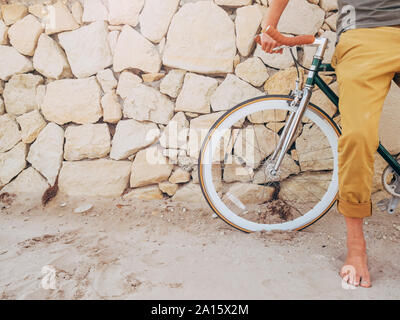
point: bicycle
(271, 162)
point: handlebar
(284, 40)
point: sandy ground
(158, 250)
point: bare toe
(356, 281)
(365, 281)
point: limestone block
(76, 100)
(13, 12)
(24, 34)
(231, 92)
(46, 153)
(9, 133)
(125, 11)
(149, 167)
(31, 124)
(12, 62)
(88, 141)
(50, 60)
(87, 49)
(131, 136)
(135, 51)
(148, 104)
(196, 93)
(156, 17)
(94, 178)
(12, 163)
(201, 38)
(20, 93)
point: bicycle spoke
(258, 147)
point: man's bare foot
(355, 270)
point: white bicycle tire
(225, 122)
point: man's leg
(365, 61)
(356, 254)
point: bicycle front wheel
(237, 155)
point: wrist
(266, 25)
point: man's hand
(274, 12)
(267, 43)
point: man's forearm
(274, 13)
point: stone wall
(90, 88)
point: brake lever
(281, 47)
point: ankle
(356, 240)
(356, 246)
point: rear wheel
(237, 155)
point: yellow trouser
(365, 61)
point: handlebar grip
(289, 41)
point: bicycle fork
(295, 117)
(290, 130)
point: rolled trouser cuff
(354, 209)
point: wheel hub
(270, 173)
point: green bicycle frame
(316, 80)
